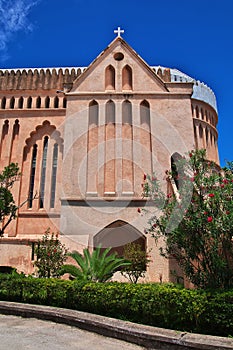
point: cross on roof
(118, 31)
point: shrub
(160, 305)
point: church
(84, 137)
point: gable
(119, 58)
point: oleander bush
(160, 305)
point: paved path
(17, 333)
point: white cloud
(13, 18)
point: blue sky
(193, 36)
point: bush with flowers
(197, 224)
(51, 255)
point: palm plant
(98, 266)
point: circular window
(118, 56)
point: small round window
(118, 56)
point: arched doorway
(117, 235)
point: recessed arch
(127, 78)
(110, 78)
(40, 131)
(93, 113)
(127, 112)
(110, 112)
(117, 234)
(145, 113)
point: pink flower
(210, 219)
(211, 195)
(190, 155)
(154, 178)
(169, 195)
(225, 181)
(139, 210)
(227, 212)
(144, 177)
(205, 213)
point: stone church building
(85, 137)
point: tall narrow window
(127, 80)
(56, 102)
(64, 102)
(47, 102)
(127, 113)
(110, 112)
(92, 147)
(38, 102)
(43, 171)
(109, 169)
(32, 175)
(29, 102)
(20, 102)
(127, 148)
(12, 102)
(3, 103)
(110, 78)
(54, 176)
(145, 113)
(145, 137)
(93, 113)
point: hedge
(160, 305)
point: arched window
(127, 80)
(145, 113)
(110, 112)
(32, 175)
(110, 78)
(12, 102)
(127, 112)
(93, 113)
(20, 102)
(56, 102)
(38, 102)
(43, 171)
(54, 176)
(29, 102)
(3, 103)
(47, 102)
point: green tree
(8, 208)
(51, 255)
(138, 259)
(98, 266)
(197, 223)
